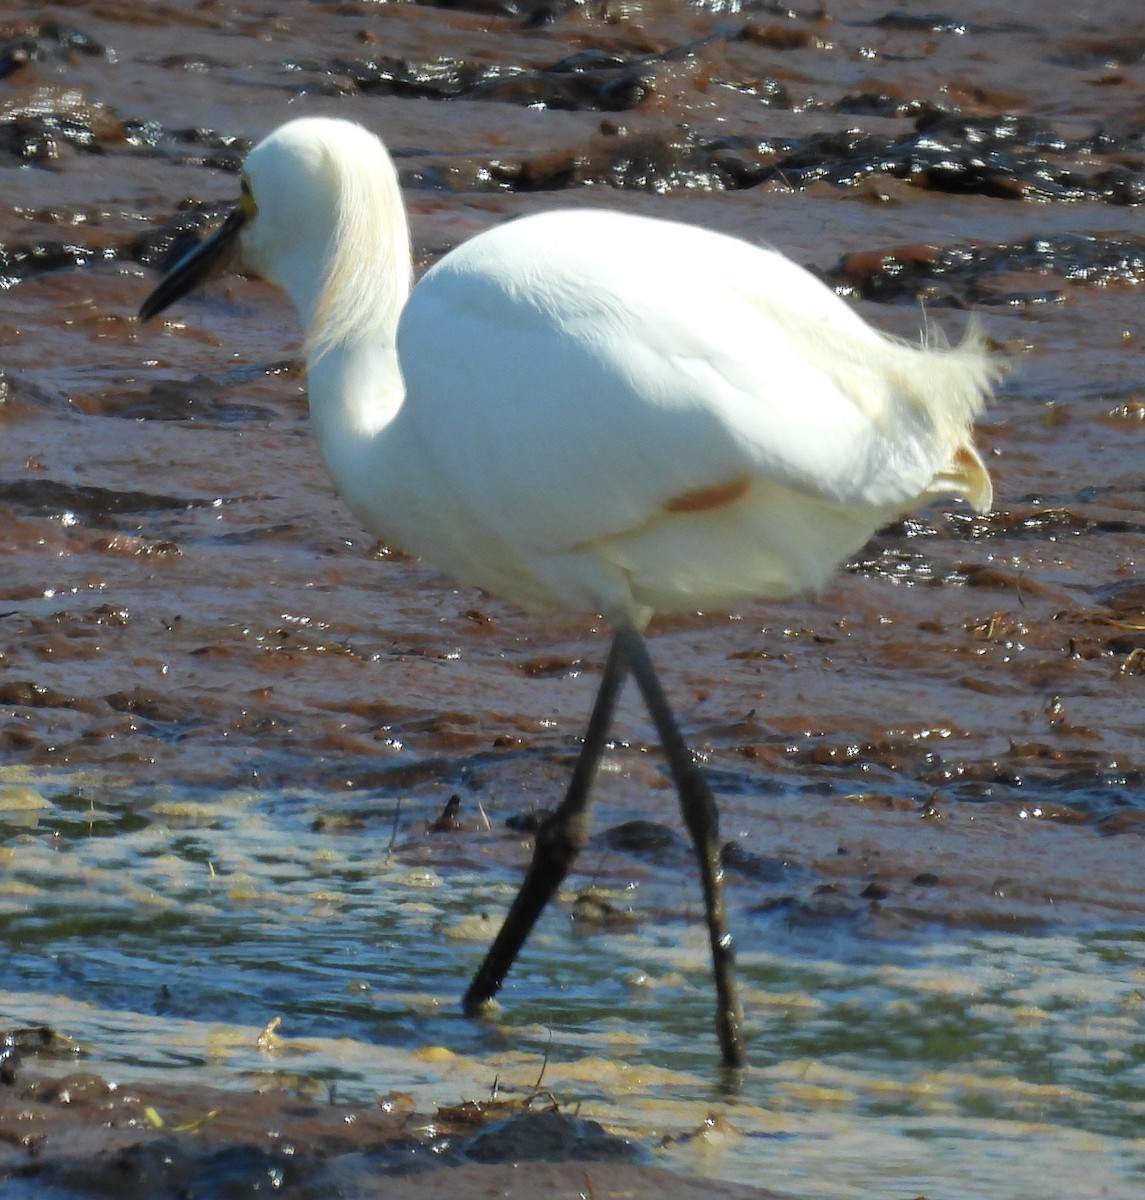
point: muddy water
(228, 721)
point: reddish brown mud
(197, 642)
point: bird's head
(319, 214)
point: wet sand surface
(229, 721)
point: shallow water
(165, 941)
(228, 721)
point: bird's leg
(698, 807)
(559, 838)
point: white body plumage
(592, 410)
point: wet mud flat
(157, 1142)
(229, 723)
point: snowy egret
(588, 410)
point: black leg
(559, 839)
(698, 808)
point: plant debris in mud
(592, 79)
(95, 506)
(23, 43)
(681, 159)
(163, 1142)
(18, 1044)
(972, 158)
(1002, 155)
(990, 275)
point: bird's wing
(564, 400)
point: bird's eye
(246, 198)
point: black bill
(212, 255)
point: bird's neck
(355, 391)
(342, 309)
(349, 289)
(356, 395)
(349, 307)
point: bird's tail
(965, 475)
(958, 384)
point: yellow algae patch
(421, 1002)
(717, 1135)
(943, 982)
(16, 797)
(789, 1001)
(620, 1035)
(1007, 1086)
(150, 898)
(185, 811)
(815, 1094)
(620, 1078)
(16, 887)
(235, 799)
(474, 927)
(16, 773)
(34, 775)
(434, 1054)
(220, 1042)
(924, 1091)
(294, 1082)
(248, 892)
(172, 867)
(419, 877)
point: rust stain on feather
(708, 498)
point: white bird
(588, 410)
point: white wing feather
(626, 362)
